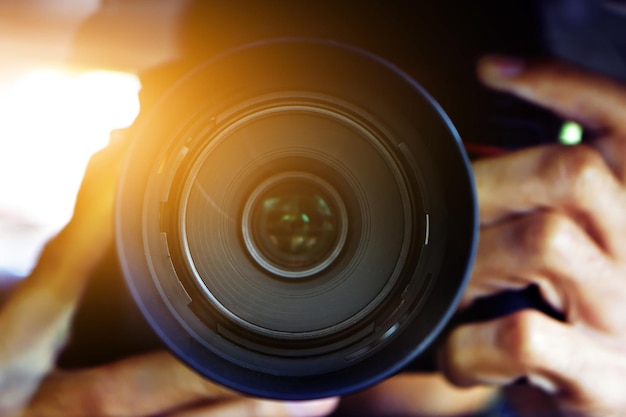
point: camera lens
(296, 219)
(294, 225)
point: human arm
(35, 320)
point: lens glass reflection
(295, 225)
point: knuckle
(576, 171)
(457, 358)
(96, 399)
(92, 400)
(521, 335)
(543, 237)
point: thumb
(499, 352)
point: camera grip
(484, 309)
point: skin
(424, 395)
(551, 215)
(36, 320)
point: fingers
(136, 386)
(553, 216)
(582, 372)
(152, 384)
(236, 408)
(437, 397)
(596, 101)
(571, 92)
(262, 408)
(502, 351)
(551, 250)
(574, 180)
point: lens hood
(296, 218)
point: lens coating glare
(295, 225)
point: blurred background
(68, 76)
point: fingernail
(316, 408)
(493, 69)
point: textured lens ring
(224, 294)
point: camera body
(297, 216)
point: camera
(297, 217)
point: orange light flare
(51, 122)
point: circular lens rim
(140, 274)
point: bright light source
(52, 122)
(571, 133)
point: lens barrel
(296, 218)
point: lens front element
(294, 225)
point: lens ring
(258, 245)
(166, 292)
(264, 115)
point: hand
(150, 385)
(554, 216)
(35, 320)
(414, 394)
(35, 323)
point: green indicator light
(571, 133)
